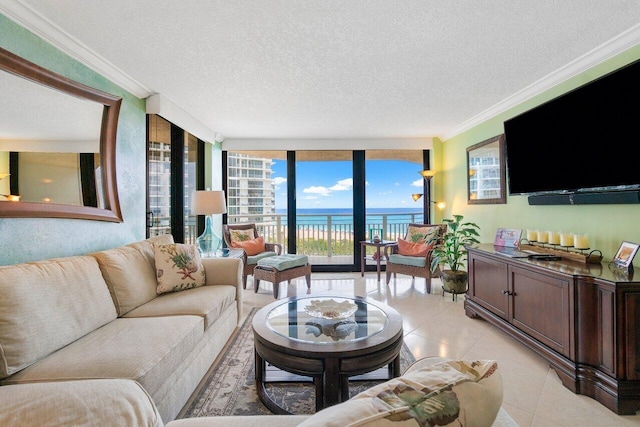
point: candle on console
(566, 239)
(554, 237)
(532, 235)
(581, 241)
(543, 236)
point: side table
(378, 245)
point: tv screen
(582, 140)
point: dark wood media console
(584, 319)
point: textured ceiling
(338, 69)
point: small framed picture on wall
(624, 256)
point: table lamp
(208, 203)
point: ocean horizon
(342, 218)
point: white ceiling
(336, 69)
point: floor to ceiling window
(173, 172)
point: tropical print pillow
(178, 267)
(421, 234)
(450, 393)
(242, 235)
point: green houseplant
(450, 252)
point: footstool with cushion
(279, 268)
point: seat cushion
(284, 262)
(255, 258)
(207, 302)
(46, 305)
(449, 393)
(143, 349)
(414, 261)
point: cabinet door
(541, 306)
(488, 284)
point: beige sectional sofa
(92, 329)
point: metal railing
(326, 234)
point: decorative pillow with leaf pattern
(449, 393)
(242, 235)
(421, 234)
(178, 267)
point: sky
(389, 184)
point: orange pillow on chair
(412, 249)
(251, 247)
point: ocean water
(342, 218)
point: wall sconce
(11, 197)
(416, 196)
(4, 175)
(440, 205)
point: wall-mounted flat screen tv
(583, 140)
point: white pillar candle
(543, 236)
(532, 235)
(554, 237)
(566, 239)
(581, 241)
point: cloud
(340, 185)
(278, 181)
(310, 197)
(343, 185)
(418, 182)
(317, 189)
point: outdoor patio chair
(411, 255)
(246, 237)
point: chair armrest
(273, 247)
(390, 249)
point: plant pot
(454, 282)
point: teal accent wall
(607, 225)
(31, 239)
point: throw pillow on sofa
(251, 247)
(449, 393)
(178, 267)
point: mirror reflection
(57, 145)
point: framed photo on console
(624, 256)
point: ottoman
(276, 269)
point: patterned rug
(229, 388)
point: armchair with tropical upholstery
(246, 237)
(411, 255)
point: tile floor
(437, 326)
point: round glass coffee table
(327, 338)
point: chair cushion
(413, 249)
(449, 393)
(421, 234)
(284, 262)
(178, 267)
(251, 247)
(255, 258)
(414, 261)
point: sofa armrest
(225, 271)
(105, 402)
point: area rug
(229, 388)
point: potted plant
(450, 251)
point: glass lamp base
(208, 242)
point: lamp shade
(208, 203)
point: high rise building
(250, 189)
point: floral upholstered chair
(245, 237)
(411, 255)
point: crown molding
(28, 18)
(605, 51)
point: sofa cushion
(207, 302)
(143, 349)
(108, 402)
(130, 272)
(178, 267)
(449, 393)
(46, 305)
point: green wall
(607, 225)
(30, 239)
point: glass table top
(326, 320)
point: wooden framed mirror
(57, 145)
(486, 174)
